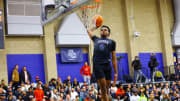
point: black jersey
(103, 48)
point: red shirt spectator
(38, 93)
(85, 70)
(120, 91)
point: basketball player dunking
(103, 49)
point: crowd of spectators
(72, 90)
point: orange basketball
(97, 20)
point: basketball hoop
(87, 13)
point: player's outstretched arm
(114, 61)
(90, 31)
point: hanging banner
(1, 30)
(71, 55)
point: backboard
(52, 9)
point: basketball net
(87, 13)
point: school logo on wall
(71, 55)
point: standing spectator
(15, 76)
(178, 70)
(153, 63)
(86, 73)
(38, 93)
(25, 76)
(136, 64)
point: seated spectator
(54, 95)
(23, 87)
(142, 96)
(135, 96)
(73, 94)
(75, 83)
(51, 86)
(68, 97)
(68, 80)
(178, 86)
(47, 92)
(113, 90)
(127, 95)
(94, 90)
(24, 96)
(18, 92)
(157, 95)
(141, 88)
(68, 88)
(30, 94)
(59, 80)
(38, 93)
(152, 98)
(54, 83)
(3, 85)
(10, 96)
(120, 92)
(91, 95)
(174, 97)
(166, 97)
(77, 98)
(10, 85)
(27, 86)
(83, 93)
(166, 89)
(99, 96)
(36, 82)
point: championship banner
(71, 55)
(1, 31)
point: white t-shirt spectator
(27, 87)
(73, 95)
(166, 90)
(113, 89)
(134, 98)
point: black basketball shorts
(102, 71)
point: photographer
(136, 64)
(153, 63)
